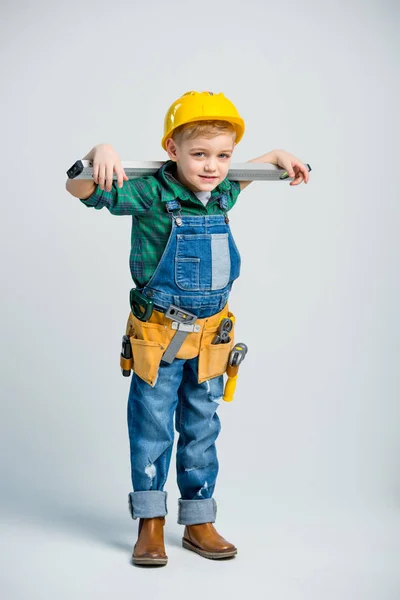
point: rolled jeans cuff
(192, 512)
(148, 504)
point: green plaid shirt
(144, 199)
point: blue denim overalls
(196, 272)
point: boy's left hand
(293, 165)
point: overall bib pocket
(202, 262)
(187, 273)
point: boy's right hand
(106, 162)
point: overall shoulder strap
(174, 208)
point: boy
(183, 257)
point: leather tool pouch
(213, 358)
(148, 342)
(150, 339)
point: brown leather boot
(206, 541)
(149, 548)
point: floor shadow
(173, 539)
(111, 529)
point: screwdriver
(236, 357)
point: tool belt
(150, 339)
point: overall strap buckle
(173, 206)
(223, 204)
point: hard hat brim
(236, 122)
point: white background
(309, 484)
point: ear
(171, 149)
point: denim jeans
(151, 433)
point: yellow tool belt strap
(150, 339)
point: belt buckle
(185, 327)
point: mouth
(207, 178)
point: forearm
(81, 188)
(270, 157)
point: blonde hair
(208, 129)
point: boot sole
(150, 561)
(213, 555)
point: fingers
(109, 176)
(106, 162)
(291, 171)
(121, 175)
(300, 174)
(102, 176)
(297, 180)
(96, 173)
(106, 176)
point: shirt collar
(172, 189)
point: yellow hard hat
(201, 106)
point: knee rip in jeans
(188, 469)
(204, 488)
(212, 397)
(150, 471)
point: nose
(210, 165)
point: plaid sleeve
(134, 198)
(233, 193)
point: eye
(223, 154)
(197, 153)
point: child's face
(202, 163)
